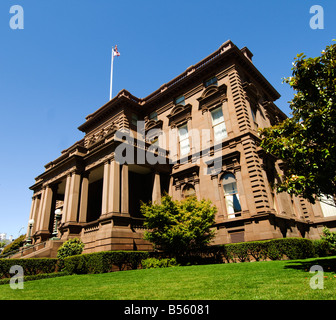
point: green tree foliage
(330, 238)
(179, 227)
(16, 244)
(69, 248)
(306, 142)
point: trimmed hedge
(151, 263)
(275, 249)
(104, 261)
(37, 277)
(30, 267)
(101, 262)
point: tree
(306, 142)
(69, 248)
(330, 238)
(179, 227)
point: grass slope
(256, 280)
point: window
(153, 116)
(218, 124)
(253, 112)
(134, 119)
(189, 191)
(184, 140)
(231, 195)
(328, 205)
(210, 81)
(180, 100)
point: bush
(69, 248)
(257, 249)
(275, 249)
(237, 251)
(322, 248)
(330, 238)
(179, 227)
(150, 263)
(30, 267)
(296, 248)
(101, 262)
(37, 277)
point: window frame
(211, 81)
(187, 187)
(180, 100)
(222, 123)
(232, 211)
(184, 139)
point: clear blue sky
(56, 70)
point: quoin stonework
(197, 135)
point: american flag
(116, 53)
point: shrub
(257, 249)
(321, 247)
(30, 267)
(69, 248)
(296, 248)
(179, 227)
(150, 263)
(37, 277)
(330, 238)
(101, 262)
(275, 249)
(237, 251)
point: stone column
(114, 187)
(106, 180)
(73, 198)
(66, 198)
(37, 204)
(46, 209)
(124, 188)
(39, 212)
(156, 193)
(84, 198)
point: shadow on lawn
(328, 265)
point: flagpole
(112, 58)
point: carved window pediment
(252, 91)
(187, 176)
(212, 95)
(180, 114)
(153, 124)
(230, 161)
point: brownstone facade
(195, 135)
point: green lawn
(254, 280)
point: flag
(116, 53)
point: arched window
(188, 191)
(231, 194)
